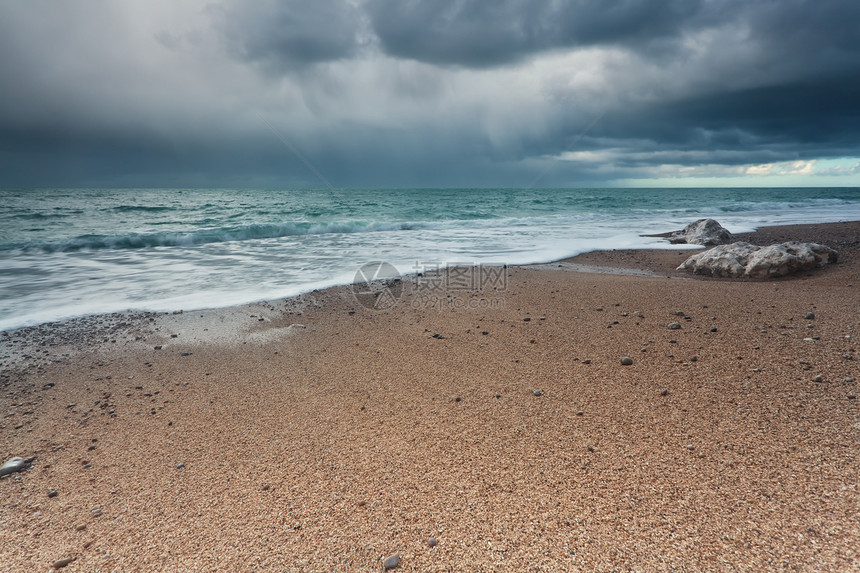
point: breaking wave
(207, 236)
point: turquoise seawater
(67, 253)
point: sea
(72, 252)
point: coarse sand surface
(318, 434)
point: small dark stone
(53, 493)
(537, 392)
(626, 361)
(580, 413)
(159, 347)
(809, 316)
(526, 319)
(432, 542)
(485, 332)
(457, 399)
(48, 386)
(590, 448)
(664, 391)
(180, 465)
(186, 354)
(673, 326)
(60, 563)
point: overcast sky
(367, 93)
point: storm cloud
(421, 92)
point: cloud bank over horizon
(378, 93)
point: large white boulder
(788, 258)
(721, 261)
(702, 232)
(750, 261)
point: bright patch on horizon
(813, 173)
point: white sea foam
(92, 251)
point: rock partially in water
(706, 232)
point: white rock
(722, 261)
(788, 258)
(745, 260)
(702, 232)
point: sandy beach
(317, 434)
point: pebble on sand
(432, 542)
(537, 392)
(673, 326)
(60, 563)
(626, 361)
(391, 562)
(809, 316)
(12, 466)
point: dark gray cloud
(284, 34)
(494, 32)
(420, 92)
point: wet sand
(316, 434)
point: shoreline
(845, 235)
(316, 434)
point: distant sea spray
(67, 253)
